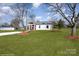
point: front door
(32, 27)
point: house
(42, 25)
(7, 28)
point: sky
(38, 9)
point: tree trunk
(73, 30)
(24, 28)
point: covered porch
(31, 27)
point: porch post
(29, 27)
(34, 27)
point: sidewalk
(9, 33)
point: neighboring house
(40, 25)
(7, 28)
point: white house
(7, 28)
(44, 25)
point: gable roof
(41, 23)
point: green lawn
(39, 43)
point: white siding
(44, 27)
(6, 28)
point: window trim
(47, 26)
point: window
(47, 26)
(39, 26)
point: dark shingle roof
(42, 22)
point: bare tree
(70, 14)
(61, 24)
(21, 11)
(15, 23)
(32, 16)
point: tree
(69, 12)
(5, 25)
(61, 24)
(55, 24)
(21, 12)
(15, 23)
(32, 16)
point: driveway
(9, 33)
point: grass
(39, 43)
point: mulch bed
(72, 37)
(24, 33)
